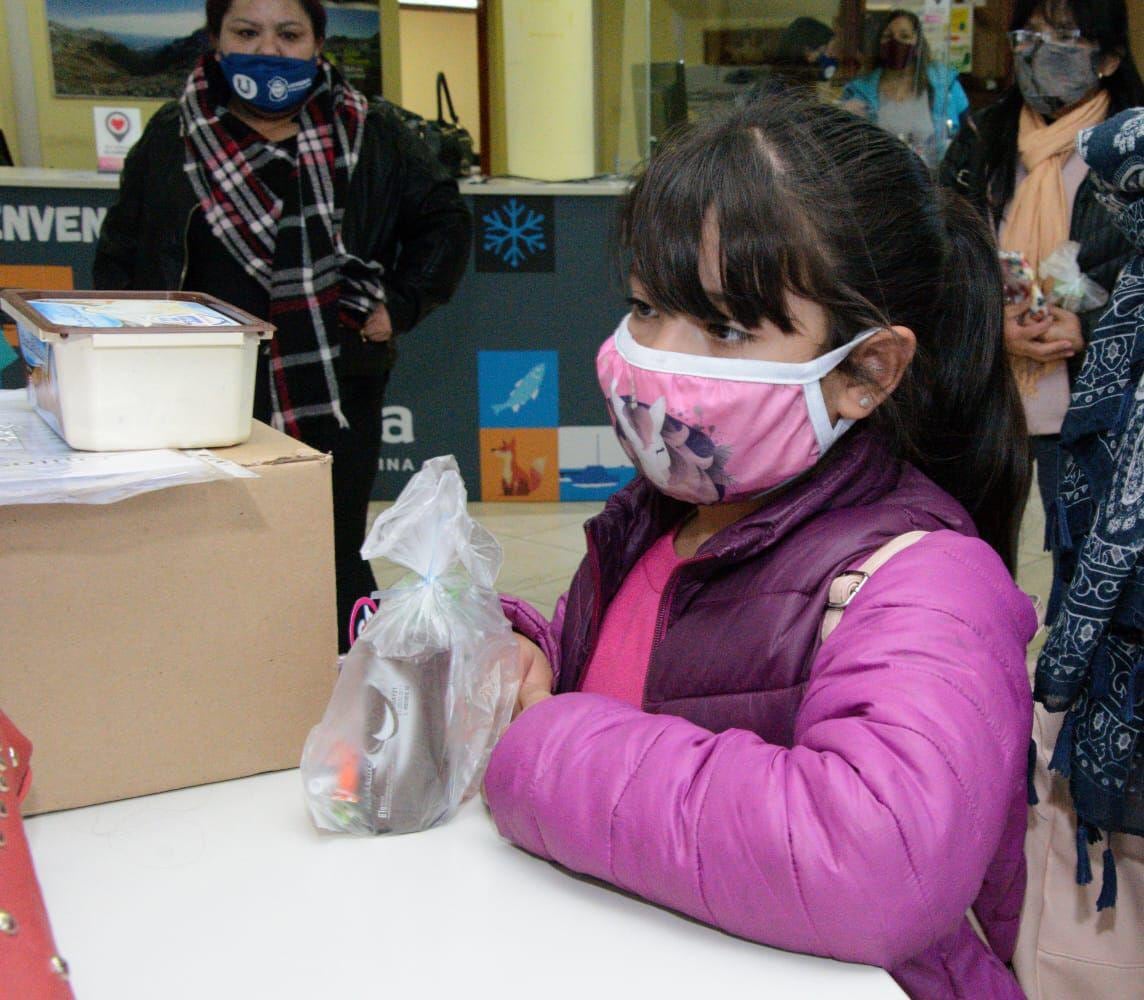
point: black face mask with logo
(1053, 76)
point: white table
(227, 891)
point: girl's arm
(869, 837)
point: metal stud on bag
(60, 967)
(852, 589)
(7, 923)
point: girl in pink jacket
(750, 724)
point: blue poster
(518, 388)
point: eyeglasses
(1025, 39)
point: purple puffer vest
(783, 557)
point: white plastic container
(121, 371)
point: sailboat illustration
(591, 477)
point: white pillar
(23, 84)
(548, 82)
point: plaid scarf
(293, 248)
(1092, 665)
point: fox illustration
(516, 480)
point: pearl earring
(864, 402)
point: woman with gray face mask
(1016, 161)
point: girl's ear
(882, 361)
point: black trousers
(355, 451)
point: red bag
(30, 968)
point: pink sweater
(618, 667)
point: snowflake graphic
(514, 232)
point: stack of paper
(37, 466)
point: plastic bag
(430, 683)
(1072, 289)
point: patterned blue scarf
(1092, 665)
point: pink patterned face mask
(710, 430)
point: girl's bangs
(767, 246)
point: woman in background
(271, 184)
(807, 43)
(1016, 160)
(906, 93)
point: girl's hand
(1030, 338)
(537, 674)
(378, 327)
(536, 685)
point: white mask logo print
(651, 455)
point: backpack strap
(844, 587)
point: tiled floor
(544, 542)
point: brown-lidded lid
(21, 302)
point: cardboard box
(176, 638)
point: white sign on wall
(116, 131)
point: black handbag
(449, 141)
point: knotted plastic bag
(1072, 289)
(430, 683)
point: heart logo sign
(118, 124)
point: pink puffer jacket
(900, 803)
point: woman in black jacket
(1071, 60)
(272, 185)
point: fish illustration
(527, 387)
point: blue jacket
(949, 100)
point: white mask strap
(734, 369)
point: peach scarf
(1038, 218)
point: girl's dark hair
(315, 11)
(921, 63)
(812, 200)
(1102, 21)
